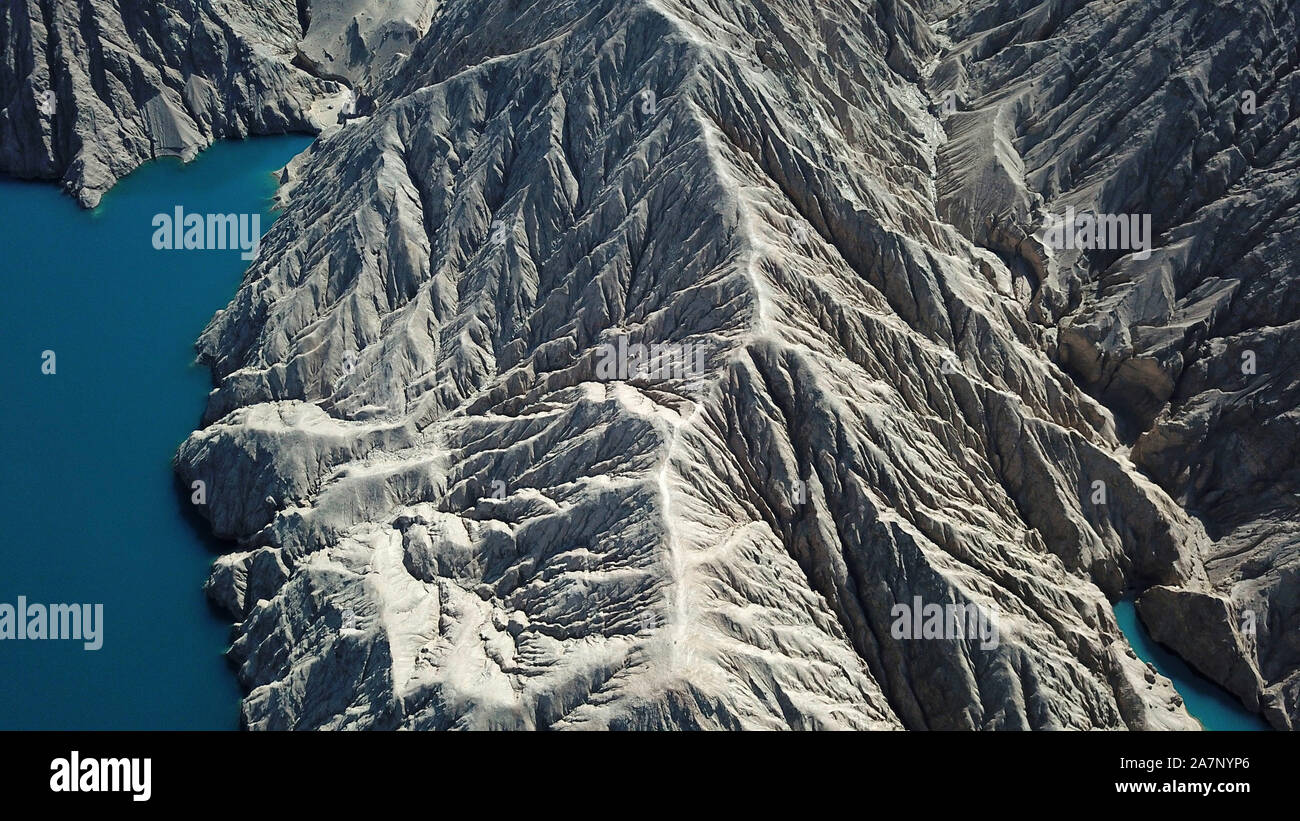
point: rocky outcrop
(1202, 628)
(1182, 113)
(528, 543)
(360, 42)
(89, 91)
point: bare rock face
(89, 91)
(529, 539)
(1183, 115)
(663, 363)
(1200, 627)
(358, 41)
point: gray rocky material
(1185, 111)
(445, 518)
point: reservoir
(91, 510)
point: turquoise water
(1210, 704)
(90, 509)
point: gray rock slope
(1195, 348)
(91, 90)
(448, 514)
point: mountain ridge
(888, 409)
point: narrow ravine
(1207, 702)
